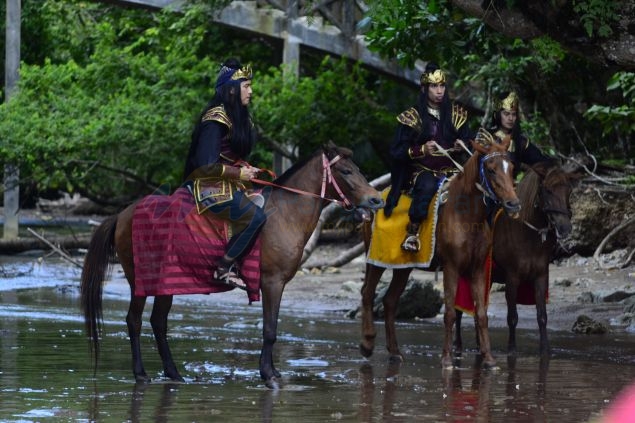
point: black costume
(521, 151)
(418, 174)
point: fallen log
(22, 244)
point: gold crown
(242, 73)
(436, 77)
(509, 103)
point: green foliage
(306, 112)
(597, 16)
(617, 119)
(113, 125)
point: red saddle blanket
(176, 249)
(465, 302)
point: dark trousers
(425, 186)
(246, 219)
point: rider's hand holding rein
(247, 173)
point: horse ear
(329, 147)
(506, 141)
(541, 168)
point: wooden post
(291, 62)
(12, 73)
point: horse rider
(506, 121)
(216, 171)
(418, 166)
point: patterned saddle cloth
(176, 249)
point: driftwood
(19, 245)
(345, 257)
(328, 212)
(54, 247)
(598, 251)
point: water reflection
(46, 371)
(467, 392)
(162, 407)
(387, 392)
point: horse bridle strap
(484, 186)
(327, 178)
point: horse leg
(159, 321)
(481, 323)
(391, 301)
(458, 340)
(541, 311)
(511, 291)
(271, 297)
(450, 281)
(133, 320)
(369, 333)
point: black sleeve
(532, 155)
(402, 142)
(209, 145)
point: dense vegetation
(108, 96)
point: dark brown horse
(463, 238)
(524, 247)
(330, 173)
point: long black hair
(242, 133)
(447, 128)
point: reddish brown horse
(328, 174)
(463, 238)
(524, 247)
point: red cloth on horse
(463, 300)
(176, 249)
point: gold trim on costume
(500, 134)
(459, 116)
(217, 114)
(410, 118)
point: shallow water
(46, 369)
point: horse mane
(331, 151)
(470, 173)
(527, 191)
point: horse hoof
(395, 358)
(142, 378)
(489, 363)
(446, 362)
(272, 383)
(366, 352)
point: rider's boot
(412, 243)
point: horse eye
(346, 172)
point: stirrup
(229, 276)
(412, 243)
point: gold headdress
(436, 77)
(242, 73)
(227, 74)
(509, 103)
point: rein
(327, 179)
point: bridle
(327, 180)
(484, 185)
(550, 225)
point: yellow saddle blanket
(388, 234)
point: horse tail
(101, 251)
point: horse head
(554, 194)
(345, 178)
(497, 174)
